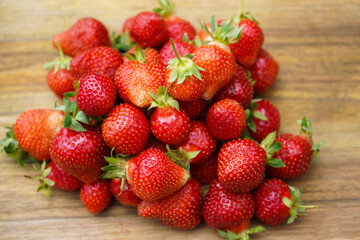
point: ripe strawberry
(126, 129)
(226, 119)
(134, 80)
(86, 33)
(275, 202)
(149, 29)
(167, 51)
(239, 88)
(264, 119)
(153, 142)
(96, 196)
(216, 58)
(205, 171)
(81, 154)
(151, 55)
(125, 197)
(193, 108)
(168, 123)
(180, 210)
(264, 71)
(241, 162)
(151, 174)
(32, 134)
(228, 211)
(127, 24)
(96, 95)
(101, 60)
(296, 153)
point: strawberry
(264, 71)
(126, 196)
(151, 174)
(205, 171)
(59, 78)
(151, 55)
(264, 119)
(167, 51)
(134, 80)
(296, 153)
(275, 202)
(180, 210)
(96, 196)
(239, 88)
(183, 78)
(216, 58)
(80, 154)
(153, 142)
(32, 134)
(86, 33)
(241, 162)
(126, 129)
(101, 60)
(96, 95)
(168, 123)
(204, 35)
(225, 210)
(149, 29)
(193, 108)
(226, 119)
(127, 24)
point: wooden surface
(317, 44)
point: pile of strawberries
(168, 115)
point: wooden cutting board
(317, 44)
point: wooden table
(317, 44)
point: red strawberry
(127, 24)
(151, 55)
(226, 119)
(228, 211)
(167, 51)
(265, 119)
(125, 197)
(193, 108)
(153, 142)
(205, 171)
(101, 60)
(264, 71)
(151, 174)
(81, 154)
(275, 202)
(59, 78)
(86, 33)
(32, 134)
(198, 139)
(168, 123)
(149, 29)
(96, 95)
(134, 80)
(239, 88)
(180, 210)
(126, 129)
(96, 196)
(296, 153)
(241, 162)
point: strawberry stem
(176, 54)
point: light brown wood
(317, 44)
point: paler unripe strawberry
(167, 52)
(124, 196)
(86, 33)
(180, 210)
(96, 196)
(126, 129)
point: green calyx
(183, 67)
(270, 148)
(196, 41)
(181, 157)
(306, 130)
(11, 147)
(139, 55)
(243, 15)
(295, 204)
(62, 62)
(252, 113)
(163, 99)
(166, 9)
(45, 183)
(244, 235)
(225, 33)
(122, 43)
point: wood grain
(317, 44)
